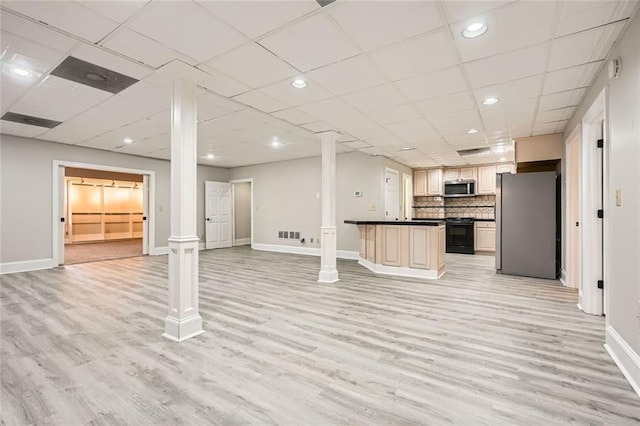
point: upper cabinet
(486, 180)
(451, 174)
(419, 183)
(434, 182)
(468, 173)
(505, 168)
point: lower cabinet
(485, 236)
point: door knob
(208, 219)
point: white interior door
(391, 196)
(61, 214)
(145, 214)
(218, 233)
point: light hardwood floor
(82, 345)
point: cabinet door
(371, 243)
(451, 174)
(419, 247)
(363, 241)
(420, 183)
(485, 238)
(486, 180)
(467, 173)
(504, 168)
(391, 247)
(434, 182)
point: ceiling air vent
(323, 3)
(28, 119)
(92, 75)
(474, 151)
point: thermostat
(357, 194)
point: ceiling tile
(221, 83)
(36, 32)
(357, 144)
(328, 109)
(106, 59)
(255, 18)
(65, 15)
(376, 98)
(555, 115)
(571, 78)
(252, 65)
(583, 47)
(143, 49)
(18, 52)
(118, 11)
(446, 104)
(286, 93)
(349, 75)
(468, 119)
(19, 129)
(261, 101)
(507, 66)
(517, 89)
(411, 131)
(212, 106)
(419, 55)
(319, 126)
(457, 10)
(294, 115)
(514, 26)
(578, 16)
(358, 125)
(187, 28)
(432, 85)
(311, 43)
(376, 24)
(562, 99)
(394, 114)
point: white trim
(249, 180)
(26, 265)
(572, 260)
(625, 358)
(563, 277)
(55, 204)
(307, 251)
(399, 271)
(398, 190)
(241, 241)
(159, 251)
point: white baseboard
(307, 251)
(563, 277)
(242, 241)
(26, 265)
(399, 271)
(158, 251)
(624, 356)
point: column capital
(332, 134)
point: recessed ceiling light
(299, 83)
(490, 101)
(472, 131)
(210, 156)
(275, 143)
(128, 140)
(407, 148)
(474, 30)
(502, 158)
(21, 72)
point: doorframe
(572, 185)
(591, 297)
(56, 188)
(407, 199)
(233, 208)
(384, 189)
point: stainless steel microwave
(460, 188)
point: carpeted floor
(92, 252)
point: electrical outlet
(311, 240)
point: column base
(328, 277)
(181, 330)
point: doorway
(572, 223)
(242, 226)
(100, 212)
(407, 196)
(391, 196)
(218, 215)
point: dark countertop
(474, 219)
(416, 222)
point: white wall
(622, 224)
(25, 185)
(242, 209)
(286, 197)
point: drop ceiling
(394, 78)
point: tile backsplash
(478, 207)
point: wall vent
(92, 75)
(30, 120)
(474, 151)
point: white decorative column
(328, 241)
(183, 320)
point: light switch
(618, 197)
(372, 207)
(357, 194)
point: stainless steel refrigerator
(526, 224)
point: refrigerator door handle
(498, 216)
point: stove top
(461, 220)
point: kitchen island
(410, 248)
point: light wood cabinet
(468, 173)
(451, 174)
(486, 183)
(434, 182)
(505, 168)
(371, 243)
(395, 245)
(485, 236)
(419, 183)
